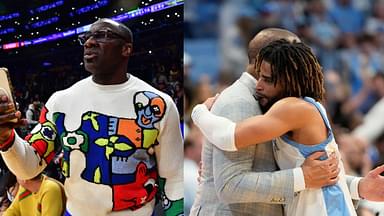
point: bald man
(246, 182)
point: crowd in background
(35, 76)
(347, 36)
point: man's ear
(127, 49)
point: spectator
(40, 195)
(32, 114)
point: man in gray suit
(246, 182)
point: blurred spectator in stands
(225, 79)
(40, 195)
(32, 114)
(322, 34)
(360, 61)
(178, 95)
(53, 169)
(204, 89)
(379, 143)
(347, 17)
(235, 22)
(190, 176)
(190, 17)
(369, 63)
(336, 95)
(355, 155)
(187, 64)
(375, 23)
(174, 74)
(192, 157)
(373, 125)
(8, 189)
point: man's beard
(270, 102)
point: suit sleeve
(169, 155)
(29, 156)
(235, 182)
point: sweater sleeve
(169, 155)
(29, 156)
(218, 130)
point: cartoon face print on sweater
(42, 138)
(149, 108)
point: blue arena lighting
(9, 16)
(26, 43)
(46, 7)
(39, 40)
(69, 33)
(150, 9)
(125, 16)
(6, 31)
(47, 64)
(91, 7)
(45, 22)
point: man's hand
(209, 102)
(371, 187)
(10, 118)
(319, 173)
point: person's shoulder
(237, 92)
(52, 185)
(293, 105)
(288, 101)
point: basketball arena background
(39, 46)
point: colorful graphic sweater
(49, 200)
(122, 145)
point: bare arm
(226, 135)
(280, 119)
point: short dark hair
(295, 67)
(127, 32)
(122, 28)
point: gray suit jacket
(242, 182)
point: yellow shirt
(48, 201)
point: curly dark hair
(295, 67)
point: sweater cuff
(354, 188)
(8, 143)
(299, 182)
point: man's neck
(34, 185)
(108, 80)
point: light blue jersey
(332, 200)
